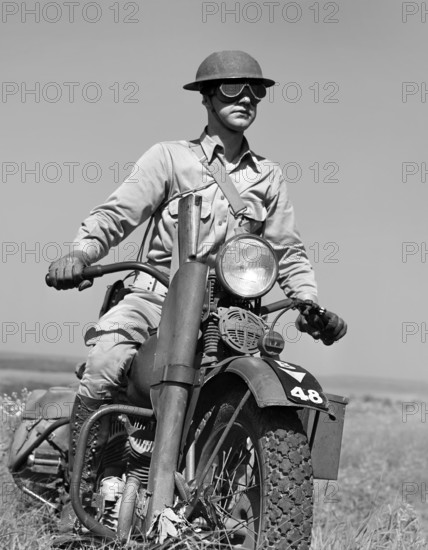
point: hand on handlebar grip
(66, 272)
(322, 325)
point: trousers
(114, 341)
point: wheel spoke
(245, 455)
(235, 528)
(232, 469)
(235, 477)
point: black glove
(327, 326)
(66, 272)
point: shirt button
(222, 197)
(220, 223)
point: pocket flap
(205, 210)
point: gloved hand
(66, 272)
(328, 327)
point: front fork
(173, 399)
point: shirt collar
(209, 147)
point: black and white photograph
(214, 255)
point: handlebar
(293, 303)
(276, 306)
(314, 314)
(306, 307)
(95, 271)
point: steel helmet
(226, 65)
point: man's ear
(207, 103)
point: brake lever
(313, 313)
(308, 307)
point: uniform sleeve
(130, 205)
(296, 275)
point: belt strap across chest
(218, 171)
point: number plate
(299, 385)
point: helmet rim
(228, 65)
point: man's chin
(240, 124)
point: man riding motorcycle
(232, 85)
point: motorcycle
(215, 437)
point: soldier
(232, 86)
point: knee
(105, 370)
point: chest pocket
(254, 216)
(205, 209)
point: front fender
(274, 383)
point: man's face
(237, 114)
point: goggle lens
(232, 90)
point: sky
(87, 87)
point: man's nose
(245, 97)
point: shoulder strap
(222, 178)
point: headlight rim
(220, 256)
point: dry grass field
(380, 500)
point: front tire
(259, 488)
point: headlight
(246, 266)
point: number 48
(313, 395)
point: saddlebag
(42, 409)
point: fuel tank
(169, 355)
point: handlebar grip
(88, 273)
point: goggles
(229, 91)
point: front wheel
(257, 491)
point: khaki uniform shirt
(169, 169)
